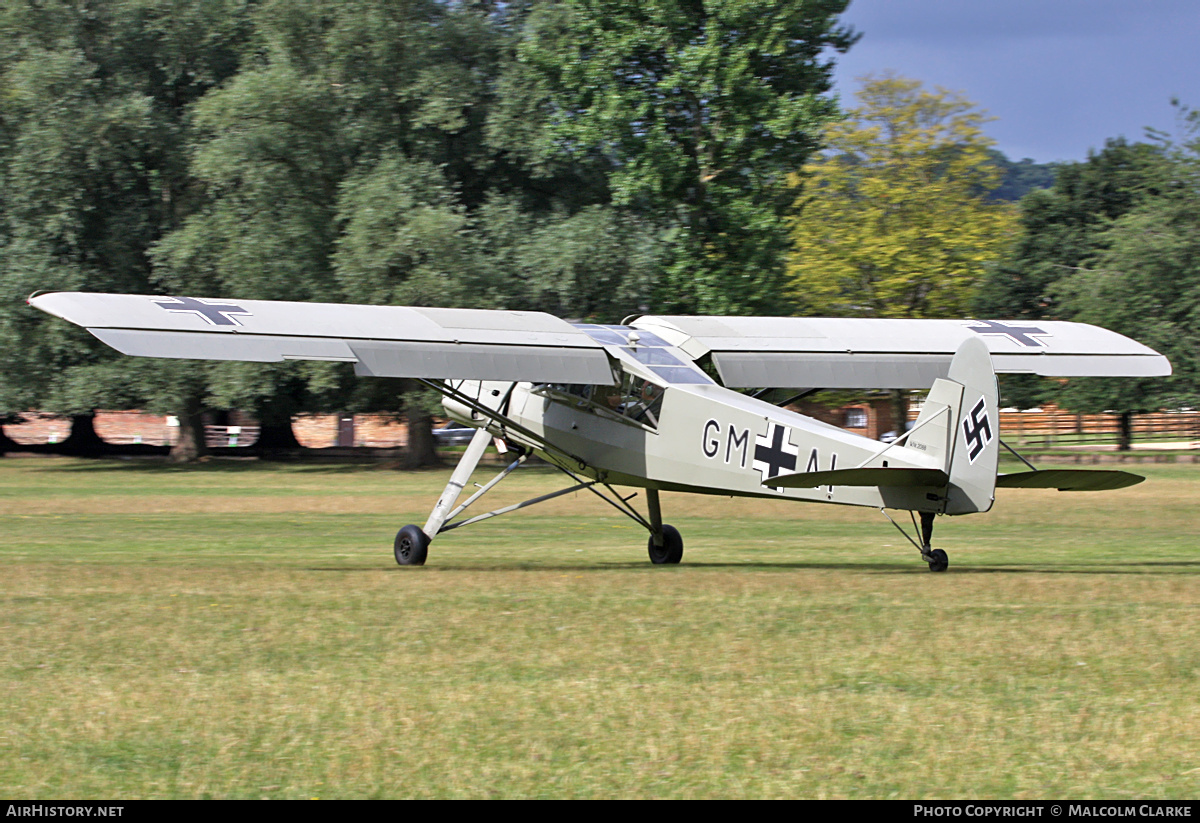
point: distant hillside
(1020, 177)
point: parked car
(453, 434)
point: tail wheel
(671, 551)
(940, 561)
(412, 546)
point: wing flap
(830, 370)
(541, 364)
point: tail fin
(960, 426)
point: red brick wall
(314, 431)
(119, 427)
(319, 431)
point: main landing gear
(937, 559)
(412, 546)
(412, 542)
(671, 549)
(666, 545)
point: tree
(1062, 231)
(1144, 282)
(894, 219)
(424, 152)
(699, 109)
(1061, 227)
(94, 102)
(295, 155)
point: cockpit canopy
(647, 366)
(645, 352)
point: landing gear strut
(937, 559)
(412, 542)
(666, 544)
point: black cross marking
(770, 455)
(216, 314)
(977, 429)
(1021, 335)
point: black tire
(671, 550)
(412, 546)
(940, 561)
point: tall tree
(292, 152)
(1144, 281)
(1062, 231)
(94, 102)
(894, 218)
(1061, 227)
(699, 108)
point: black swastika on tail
(977, 429)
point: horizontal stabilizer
(1069, 480)
(860, 477)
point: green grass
(240, 630)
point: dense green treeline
(1114, 242)
(580, 157)
(589, 158)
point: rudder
(959, 427)
(975, 455)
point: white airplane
(653, 403)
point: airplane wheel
(412, 546)
(940, 561)
(671, 550)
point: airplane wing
(399, 341)
(868, 353)
(381, 341)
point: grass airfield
(241, 630)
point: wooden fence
(1054, 428)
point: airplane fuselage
(706, 439)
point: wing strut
(1017, 455)
(581, 484)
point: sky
(1060, 76)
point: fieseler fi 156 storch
(654, 403)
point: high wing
(858, 353)
(399, 341)
(381, 341)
